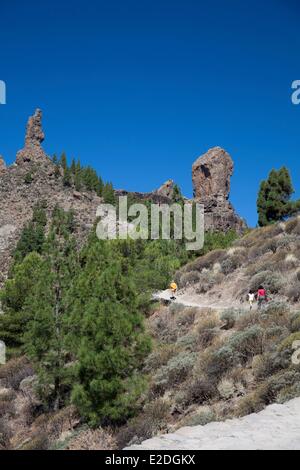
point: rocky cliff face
(211, 175)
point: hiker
(173, 287)
(261, 296)
(251, 298)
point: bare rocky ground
(275, 428)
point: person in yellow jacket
(173, 287)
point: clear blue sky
(139, 89)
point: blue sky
(139, 89)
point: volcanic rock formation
(211, 175)
(33, 151)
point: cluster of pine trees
(78, 314)
(83, 178)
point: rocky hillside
(213, 358)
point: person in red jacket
(261, 296)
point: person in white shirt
(251, 298)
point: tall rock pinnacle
(33, 150)
(211, 175)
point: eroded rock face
(18, 198)
(166, 189)
(211, 175)
(33, 151)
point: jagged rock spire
(166, 189)
(33, 150)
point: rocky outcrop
(211, 175)
(2, 165)
(166, 189)
(33, 151)
(18, 197)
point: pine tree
(73, 166)
(46, 331)
(273, 202)
(33, 235)
(107, 337)
(108, 194)
(63, 161)
(67, 179)
(13, 297)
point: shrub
(219, 362)
(196, 391)
(230, 316)
(201, 418)
(272, 281)
(6, 408)
(251, 403)
(229, 265)
(288, 393)
(188, 341)
(287, 343)
(226, 388)
(251, 318)
(206, 261)
(291, 225)
(187, 317)
(206, 337)
(189, 278)
(5, 433)
(28, 178)
(295, 323)
(277, 307)
(248, 343)
(271, 389)
(268, 364)
(38, 441)
(160, 357)
(144, 426)
(14, 371)
(293, 293)
(175, 371)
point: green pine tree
(274, 198)
(63, 161)
(107, 337)
(13, 297)
(45, 306)
(108, 194)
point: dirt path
(275, 428)
(193, 300)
